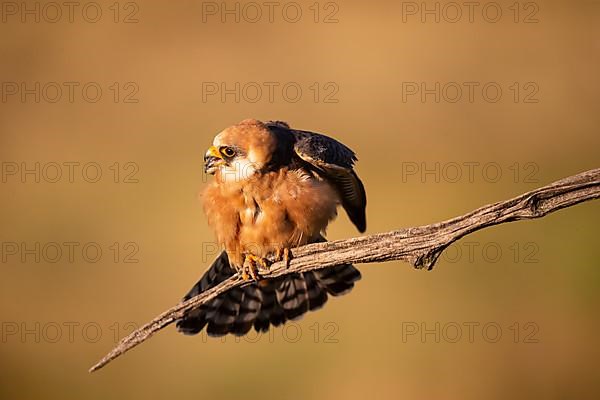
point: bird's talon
(245, 275)
(251, 266)
(287, 256)
(249, 273)
(262, 263)
(283, 254)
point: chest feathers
(268, 211)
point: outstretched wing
(334, 162)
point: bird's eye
(227, 151)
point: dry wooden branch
(421, 246)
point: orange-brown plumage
(275, 188)
(277, 209)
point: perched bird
(275, 188)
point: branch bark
(421, 246)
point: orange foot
(251, 266)
(283, 254)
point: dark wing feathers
(323, 150)
(334, 161)
(265, 303)
(331, 159)
(194, 321)
(292, 296)
(354, 198)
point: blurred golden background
(136, 93)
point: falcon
(275, 188)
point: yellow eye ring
(227, 151)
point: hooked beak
(212, 160)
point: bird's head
(239, 151)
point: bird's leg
(252, 263)
(251, 266)
(283, 254)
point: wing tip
(362, 227)
(360, 221)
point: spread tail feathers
(264, 303)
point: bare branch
(421, 246)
